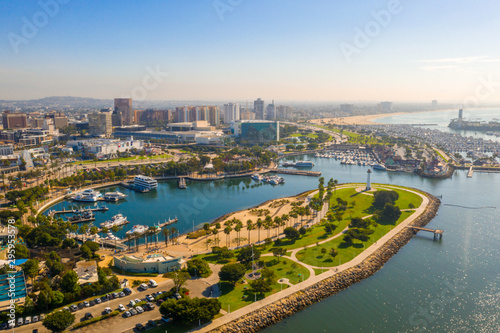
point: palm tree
(173, 231)
(238, 229)
(136, 238)
(166, 232)
(115, 229)
(249, 228)
(227, 231)
(83, 230)
(285, 218)
(259, 226)
(277, 223)
(152, 231)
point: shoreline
(275, 308)
(369, 119)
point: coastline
(369, 119)
(275, 308)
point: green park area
(125, 159)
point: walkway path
(317, 278)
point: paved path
(315, 279)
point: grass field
(238, 296)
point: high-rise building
(231, 112)
(283, 112)
(247, 115)
(258, 108)
(385, 106)
(182, 114)
(101, 123)
(123, 106)
(144, 116)
(271, 111)
(213, 115)
(14, 120)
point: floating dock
(182, 183)
(297, 172)
(470, 173)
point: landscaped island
(314, 246)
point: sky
(236, 50)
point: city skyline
(235, 51)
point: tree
(198, 267)
(179, 279)
(358, 222)
(390, 213)
(245, 254)
(59, 321)
(291, 233)
(69, 282)
(278, 252)
(333, 253)
(260, 286)
(30, 268)
(86, 253)
(302, 230)
(22, 251)
(380, 198)
(189, 311)
(232, 272)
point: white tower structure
(368, 183)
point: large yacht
(88, 195)
(140, 229)
(116, 220)
(144, 183)
(304, 164)
(114, 196)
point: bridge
(438, 233)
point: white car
(137, 300)
(139, 309)
(121, 307)
(152, 283)
(150, 298)
(132, 303)
(108, 310)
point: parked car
(150, 298)
(133, 312)
(66, 308)
(139, 309)
(104, 298)
(127, 291)
(88, 316)
(151, 306)
(127, 314)
(108, 310)
(121, 294)
(121, 307)
(178, 296)
(92, 303)
(27, 320)
(151, 323)
(143, 286)
(80, 305)
(35, 318)
(140, 326)
(97, 300)
(160, 301)
(137, 300)
(42, 316)
(86, 304)
(73, 308)
(131, 303)
(152, 283)
(20, 321)
(115, 295)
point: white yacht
(114, 196)
(256, 177)
(140, 229)
(304, 164)
(116, 220)
(144, 183)
(88, 195)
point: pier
(182, 183)
(105, 242)
(470, 173)
(438, 234)
(297, 172)
(74, 211)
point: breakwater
(283, 308)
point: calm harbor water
(441, 119)
(447, 286)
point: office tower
(271, 111)
(182, 114)
(231, 112)
(123, 106)
(14, 120)
(101, 123)
(283, 112)
(385, 106)
(213, 115)
(258, 108)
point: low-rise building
(103, 148)
(86, 271)
(154, 263)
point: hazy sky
(244, 49)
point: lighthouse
(368, 184)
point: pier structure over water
(438, 233)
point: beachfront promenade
(314, 279)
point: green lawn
(313, 256)
(238, 296)
(123, 159)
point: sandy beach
(368, 119)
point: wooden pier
(76, 211)
(438, 233)
(182, 183)
(470, 173)
(297, 172)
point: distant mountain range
(70, 102)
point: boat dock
(297, 172)
(438, 234)
(106, 242)
(169, 222)
(82, 220)
(470, 173)
(131, 186)
(182, 183)
(73, 211)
